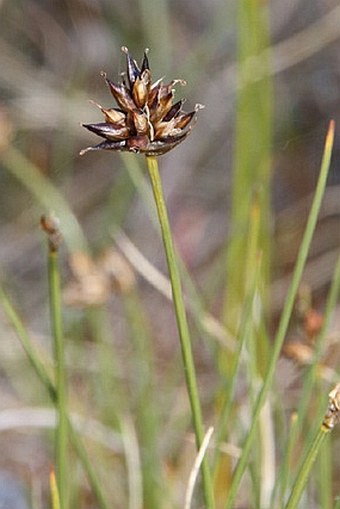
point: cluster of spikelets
(147, 120)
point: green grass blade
(39, 368)
(146, 414)
(310, 376)
(62, 441)
(242, 335)
(252, 155)
(89, 468)
(284, 474)
(305, 470)
(330, 420)
(309, 379)
(48, 383)
(204, 321)
(189, 368)
(324, 476)
(286, 314)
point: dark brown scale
(145, 63)
(175, 109)
(122, 95)
(139, 123)
(163, 107)
(133, 71)
(114, 115)
(141, 89)
(181, 121)
(138, 143)
(108, 130)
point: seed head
(50, 224)
(332, 416)
(147, 119)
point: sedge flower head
(147, 120)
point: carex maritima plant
(147, 120)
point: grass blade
(331, 418)
(286, 314)
(50, 225)
(252, 155)
(48, 383)
(189, 368)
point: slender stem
(242, 335)
(309, 377)
(61, 444)
(89, 467)
(331, 418)
(182, 324)
(146, 414)
(48, 383)
(284, 474)
(325, 475)
(285, 317)
(26, 344)
(306, 467)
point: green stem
(284, 473)
(26, 344)
(285, 317)
(242, 335)
(47, 382)
(310, 377)
(325, 475)
(182, 324)
(146, 414)
(88, 467)
(306, 467)
(61, 444)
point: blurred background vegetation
(51, 56)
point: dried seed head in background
(146, 120)
(94, 281)
(332, 416)
(50, 224)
